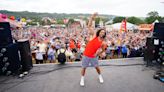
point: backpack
(62, 57)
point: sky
(138, 8)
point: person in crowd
(51, 54)
(43, 48)
(39, 56)
(124, 51)
(62, 54)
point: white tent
(109, 22)
(130, 26)
(156, 21)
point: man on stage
(94, 48)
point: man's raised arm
(90, 25)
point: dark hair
(98, 32)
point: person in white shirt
(39, 56)
(42, 48)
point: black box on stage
(5, 34)
(25, 53)
(150, 48)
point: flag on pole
(123, 26)
(123, 29)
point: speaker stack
(159, 42)
(13, 56)
(155, 45)
(159, 33)
(155, 50)
(9, 58)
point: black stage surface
(120, 75)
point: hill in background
(30, 15)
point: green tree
(32, 23)
(135, 20)
(118, 19)
(162, 19)
(105, 20)
(60, 21)
(71, 21)
(97, 20)
(152, 16)
(48, 22)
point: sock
(82, 77)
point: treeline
(151, 17)
(31, 15)
(37, 17)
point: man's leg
(83, 71)
(100, 76)
(85, 64)
(98, 70)
(82, 76)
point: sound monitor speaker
(5, 34)
(25, 52)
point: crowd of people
(47, 42)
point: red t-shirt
(92, 46)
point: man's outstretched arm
(90, 25)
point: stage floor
(120, 75)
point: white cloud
(115, 7)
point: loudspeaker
(159, 30)
(154, 50)
(5, 34)
(9, 59)
(25, 52)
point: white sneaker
(82, 81)
(101, 79)
(25, 73)
(21, 75)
